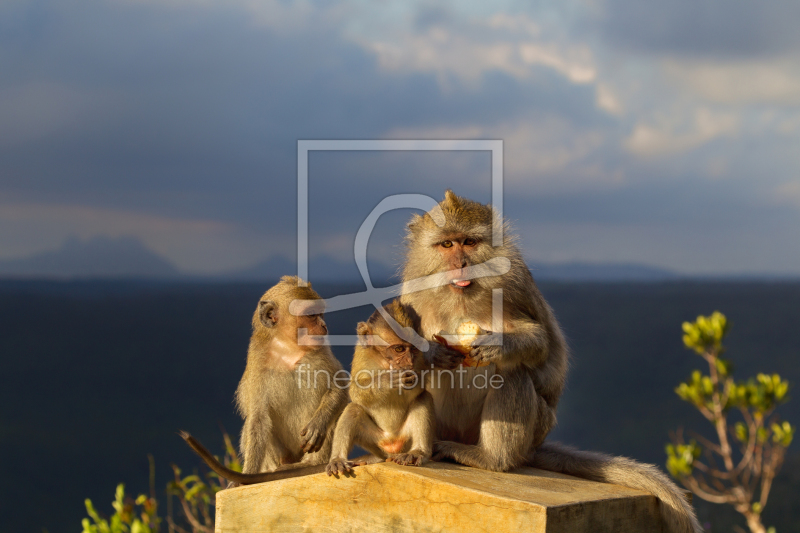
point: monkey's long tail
(246, 479)
(678, 514)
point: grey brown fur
(500, 429)
(287, 395)
(390, 416)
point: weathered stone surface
(437, 497)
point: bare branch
(708, 495)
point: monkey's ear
(268, 313)
(363, 329)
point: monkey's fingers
(486, 354)
(409, 379)
(407, 459)
(313, 443)
(339, 467)
(400, 459)
(446, 357)
(391, 378)
(313, 438)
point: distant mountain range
(579, 271)
(322, 268)
(100, 257)
(127, 257)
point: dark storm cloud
(195, 111)
(714, 28)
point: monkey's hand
(398, 379)
(412, 458)
(485, 353)
(339, 466)
(313, 436)
(442, 356)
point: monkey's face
(400, 356)
(313, 324)
(389, 350)
(456, 252)
(309, 324)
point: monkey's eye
(447, 244)
(470, 242)
(399, 348)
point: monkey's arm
(422, 417)
(441, 356)
(354, 427)
(524, 342)
(328, 411)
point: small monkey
(390, 415)
(500, 428)
(288, 395)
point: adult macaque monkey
(500, 428)
(288, 394)
(390, 415)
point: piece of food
(467, 332)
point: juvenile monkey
(390, 415)
(287, 395)
(500, 428)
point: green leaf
(782, 434)
(706, 333)
(681, 457)
(741, 432)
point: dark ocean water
(96, 375)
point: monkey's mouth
(460, 283)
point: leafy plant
(739, 468)
(130, 516)
(195, 493)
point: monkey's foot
(339, 466)
(412, 458)
(441, 451)
(470, 455)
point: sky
(666, 134)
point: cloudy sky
(662, 133)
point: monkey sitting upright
(390, 415)
(500, 428)
(289, 417)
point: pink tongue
(463, 283)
